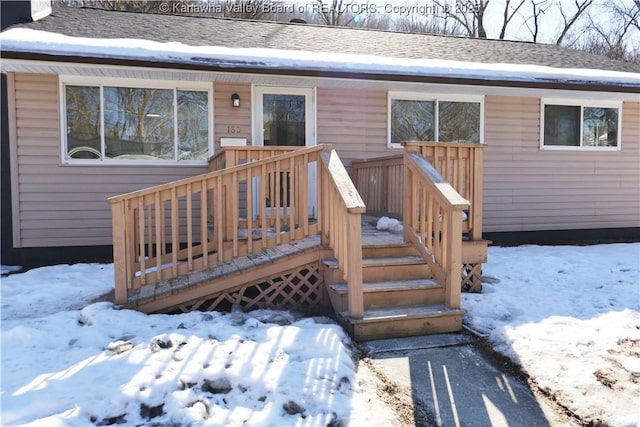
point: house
(103, 103)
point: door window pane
(83, 122)
(458, 121)
(193, 125)
(600, 127)
(562, 125)
(411, 121)
(139, 123)
(284, 120)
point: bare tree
(128, 5)
(379, 21)
(570, 20)
(508, 16)
(247, 9)
(336, 13)
(613, 31)
(532, 22)
(469, 16)
(428, 23)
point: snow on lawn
(6, 269)
(47, 290)
(99, 365)
(570, 316)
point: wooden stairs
(178, 247)
(401, 297)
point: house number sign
(233, 129)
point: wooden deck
(216, 240)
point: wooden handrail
(461, 164)
(196, 178)
(433, 222)
(349, 196)
(169, 230)
(341, 225)
(233, 156)
(381, 179)
(417, 145)
(173, 229)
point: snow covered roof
(98, 36)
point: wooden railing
(433, 222)
(171, 230)
(340, 212)
(234, 156)
(380, 182)
(167, 231)
(461, 164)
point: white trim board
(582, 104)
(116, 71)
(101, 82)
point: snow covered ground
(67, 362)
(570, 316)
(6, 269)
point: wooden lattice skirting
(472, 277)
(301, 288)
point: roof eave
(255, 68)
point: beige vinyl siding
(66, 205)
(526, 188)
(354, 121)
(228, 119)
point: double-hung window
(126, 123)
(416, 117)
(571, 125)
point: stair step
(383, 269)
(389, 250)
(388, 261)
(391, 285)
(403, 321)
(402, 313)
(381, 262)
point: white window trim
(310, 94)
(582, 104)
(435, 97)
(132, 83)
(311, 126)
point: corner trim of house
(13, 159)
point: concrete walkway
(452, 380)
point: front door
(285, 116)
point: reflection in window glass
(83, 122)
(458, 121)
(138, 123)
(193, 125)
(411, 121)
(600, 127)
(562, 125)
(284, 120)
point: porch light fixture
(235, 100)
